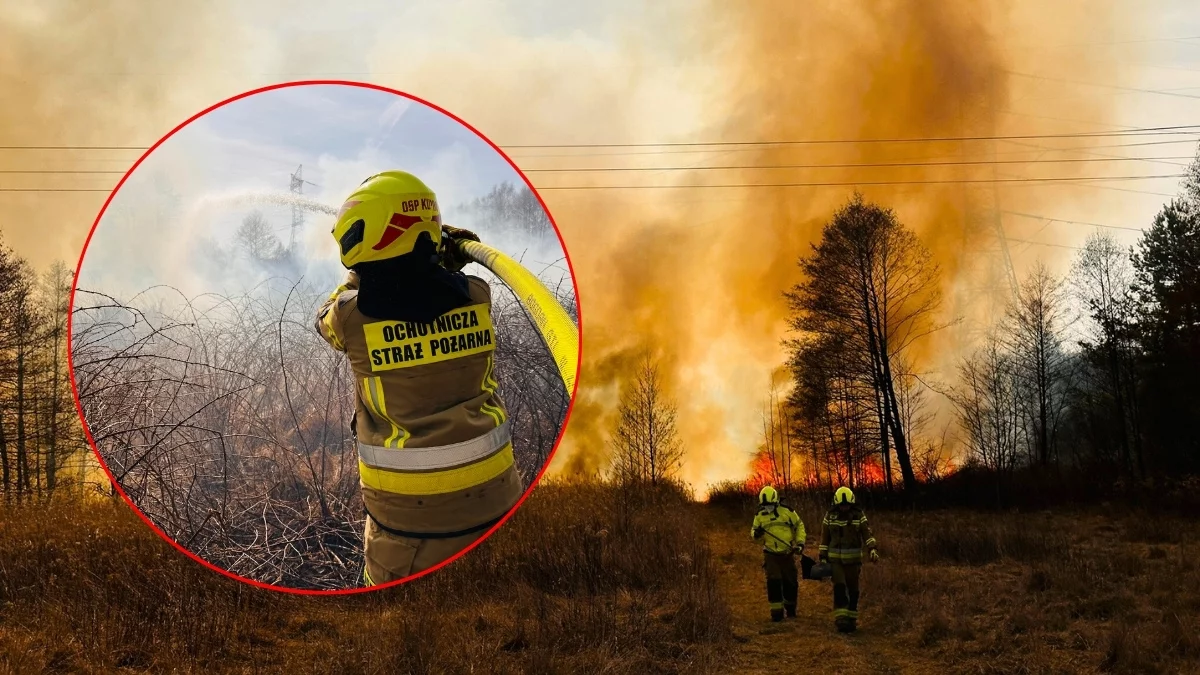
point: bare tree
(255, 237)
(25, 324)
(646, 446)
(516, 207)
(12, 274)
(1032, 334)
(56, 291)
(989, 407)
(1101, 281)
(931, 461)
(871, 285)
(35, 401)
(777, 447)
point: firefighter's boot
(775, 598)
(851, 574)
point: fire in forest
(814, 103)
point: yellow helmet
(768, 495)
(384, 217)
(844, 495)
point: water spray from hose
(267, 199)
(556, 328)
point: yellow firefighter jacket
(781, 529)
(430, 424)
(845, 536)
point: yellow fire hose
(553, 323)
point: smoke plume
(693, 276)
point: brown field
(1105, 591)
(579, 581)
(592, 579)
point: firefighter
(844, 537)
(781, 533)
(434, 447)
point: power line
(1121, 145)
(1144, 131)
(1098, 85)
(1117, 189)
(726, 150)
(1085, 182)
(1073, 222)
(862, 165)
(855, 183)
(1043, 243)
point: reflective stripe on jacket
(844, 537)
(782, 528)
(428, 417)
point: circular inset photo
(324, 337)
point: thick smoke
(697, 276)
(692, 275)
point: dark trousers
(845, 592)
(782, 585)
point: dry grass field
(592, 579)
(583, 579)
(1100, 591)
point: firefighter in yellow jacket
(434, 448)
(781, 533)
(844, 537)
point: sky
(190, 193)
(1147, 72)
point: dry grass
(580, 580)
(1041, 593)
(1100, 590)
(593, 579)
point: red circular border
(88, 433)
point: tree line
(514, 208)
(42, 451)
(1093, 372)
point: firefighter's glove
(452, 258)
(874, 556)
(823, 557)
(798, 549)
(759, 532)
